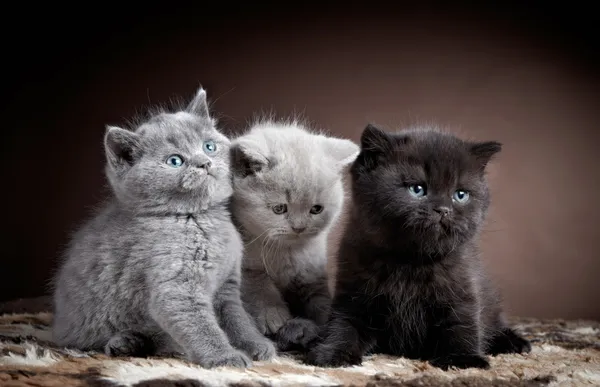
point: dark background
(523, 75)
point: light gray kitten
(288, 192)
(158, 268)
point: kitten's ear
(374, 143)
(484, 151)
(374, 139)
(122, 147)
(199, 105)
(247, 158)
(343, 151)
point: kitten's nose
(298, 230)
(203, 164)
(443, 210)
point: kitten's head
(172, 163)
(426, 188)
(288, 181)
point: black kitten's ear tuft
(484, 151)
(375, 144)
(374, 139)
(122, 148)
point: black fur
(410, 282)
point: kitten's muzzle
(203, 165)
(204, 169)
(201, 162)
(443, 211)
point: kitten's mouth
(203, 173)
(442, 221)
(442, 227)
(196, 181)
(295, 237)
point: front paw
(508, 341)
(460, 361)
(297, 332)
(260, 349)
(324, 356)
(231, 358)
(129, 343)
(271, 319)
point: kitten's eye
(175, 161)
(417, 190)
(461, 196)
(209, 147)
(280, 209)
(316, 209)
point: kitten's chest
(412, 299)
(210, 245)
(298, 265)
(285, 263)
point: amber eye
(316, 209)
(280, 209)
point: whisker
(254, 240)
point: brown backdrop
(525, 77)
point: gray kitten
(287, 194)
(158, 268)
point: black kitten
(409, 281)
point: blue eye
(461, 196)
(417, 190)
(210, 146)
(175, 161)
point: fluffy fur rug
(564, 353)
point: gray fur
(159, 266)
(284, 271)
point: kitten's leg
(297, 333)
(129, 343)
(237, 324)
(508, 341)
(166, 346)
(315, 299)
(317, 307)
(505, 340)
(458, 342)
(347, 337)
(182, 310)
(264, 302)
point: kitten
(410, 282)
(158, 268)
(287, 194)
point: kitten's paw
(260, 349)
(233, 358)
(272, 319)
(325, 356)
(129, 343)
(460, 361)
(297, 332)
(508, 341)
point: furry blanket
(564, 353)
